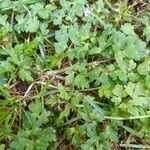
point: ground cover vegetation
(74, 74)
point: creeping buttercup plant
(74, 74)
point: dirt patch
(20, 88)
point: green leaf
(134, 111)
(88, 65)
(69, 79)
(118, 90)
(144, 68)
(146, 32)
(34, 139)
(130, 130)
(99, 6)
(47, 135)
(120, 60)
(35, 8)
(60, 47)
(66, 112)
(3, 19)
(94, 50)
(57, 17)
(2, 147)
(73, 34)
(62, 38)
(132, 65)
(142, 101)
(25, 75)
(45, 13)
(32, 25)
(81, 82)
(43, 118)
(21, 138)
(63, 93)
(35, 108)
(21, 23)
(128, 29)
(135, 90)
(5, 67)
(111, 133)
(3, 79)
(116, 100)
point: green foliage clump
(74, 74)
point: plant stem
(137, 146)
(54, 72)
(109, 5)
(130, 118)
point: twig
(38, 82)
(59, 142)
